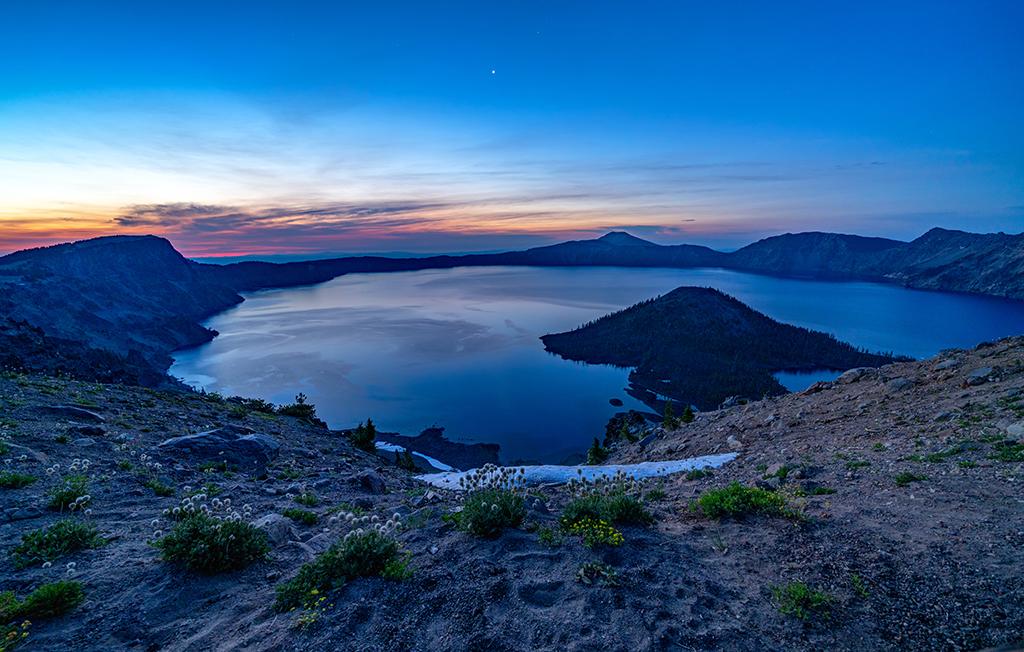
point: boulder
(71, 413)
(732, 401)
(819, 386)
(978, 376)
(1016, 431)
(856, 375)
(899, 384)
(238, 446)
(372, 482)
(83, 442)
(948, 363)
(278, 529)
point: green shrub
(595, 572)
(307, 498)
(47, 601)
(300, 409)
(697, 474)
(255, 404)
(688, 415)
(13, 480)
(619, 508)
(300, 515)
(735, 501)
(207, 545)
(364, 554)
(597, 454)
(487, 512)
(159, 488)
(63, 537)
(363, 436)
(68, 491)
(1008, 451)
(905, 478)
(798, 599)
(549, 537)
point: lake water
(459, 348)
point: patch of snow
(395, 448)
(553, 474)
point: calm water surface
(459, 348)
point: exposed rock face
(432, 442)
(237, 446)
(372, 482)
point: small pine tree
(688, 415)
(597, 454)
(404, 460)
(669, 422)
(364, 435)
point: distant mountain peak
(621, 238)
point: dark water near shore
(459, 348)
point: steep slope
(124, 294)
(700, 346)
(930, 564)
(814, 254)
(942, 259)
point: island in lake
(699, 346)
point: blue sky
(260, 128)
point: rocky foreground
(903, 517)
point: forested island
(699, 346)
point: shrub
(549, 537)
(595, 531)
(359, 554)
(595, 572)
(1008, 451)
(257, 404)
(905, 478)
(735, 501)
(63, 537)
(300, 409)
(13, 480)
(159, 488)
(798, 599)
(207, 545)
(487, 512)
(688, 415)
(597, 454)
(619, 508)
(69, 492)
(307, 498)
(363, 436)
(47, 601)
(300, 515)
(697, 474)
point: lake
(459, 348)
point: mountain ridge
(138, 296)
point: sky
(294, 128)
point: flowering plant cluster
(71, 492)
(595, 531)
(368, 549)
(210, 544)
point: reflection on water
(459, 347)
